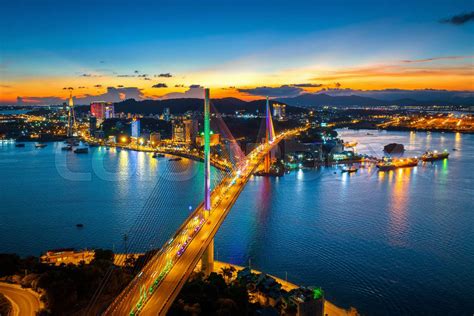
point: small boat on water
(81, 149)
(350, 169)
(158, 155)
(40, 145)
(434, 155)
(392, 164)
(79, 225)
(67, 148)
(19, 145)
(175, 159)
(350, 144)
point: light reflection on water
(385, 242)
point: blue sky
(255, 40)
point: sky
(113, 50)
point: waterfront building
(92, 125)
(190, 130)
(135, 128)
(155, 139)
(178, 132)
(102, 110)
(67, 256)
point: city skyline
(159, 50)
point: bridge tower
(269, 136)
(207, 260)
(71, 120)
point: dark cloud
(459, 19)
(111, 95)
(89, 75)
(102, 62)
(307, 85)
(143, 76)
(5, 86)
(146, 78)
(397, 94)
(282, 91)
(136, 71)
(425, 60)
(68, 88)
(160, 85)
(98, 86)
(194, 86)
(196, 92)
(125, 75)
(338, 85)
(120, 86)
(179, 85)
(166, 75)
(81, 87)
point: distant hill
(320, 99)
(179, 106)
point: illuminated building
(166, 114)
(215, 139)
(279, 111)
(190, 130)
(102, 110)
(155, 139)
(135, 128)
(178, 132)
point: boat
(392, 164)
(394, 148)
(20, 145)
(175, 159)
(350, 144)
(79, 225)
(40, 145)
(81, 149)
(350, 169)
(67, 148)
(434, 155)
(158, 155)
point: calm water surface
(398, 243)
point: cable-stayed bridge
(155, 287)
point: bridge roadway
(133, 300)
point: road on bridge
(222, 200)
(24, 302)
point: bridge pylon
(207, 260)
(71, 120)
(269, 136)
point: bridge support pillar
(267, 162)
(207, 260)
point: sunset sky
(164, 49)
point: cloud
(98, 86)
(193, 86)
(307, 85)
(5, 86)
(111, 95)
(68, 88)
(89, 75)
(195, 92)
(81, 87)
(160, 85)
(282, 91)
(125, 76)
(425, 60)
(179, 85)
(165, 75)
(136, 71)
(120, 86)
(143, 76)
(146, 78)
(396, 94)
(459, 19)
(338, 85)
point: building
(178, 132)
(155, 139)
(279, 111)
(92, 125)
(102, 110)
(135, 128)
(308, 301)
(166, 114)
(191, 128)
(67, 256)
(215, 139)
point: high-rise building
(166, 114)
(279, 111)
(102, 110)
(191, 130)
(178, 132)
(136, 128)
(155, 138)
(92, 125)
